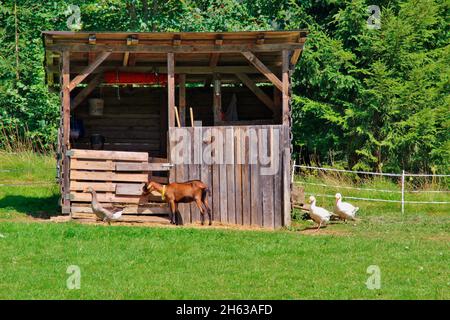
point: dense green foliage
(374, 99)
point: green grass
(121, 262)
(36, 194)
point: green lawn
(122, 262)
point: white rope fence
(402, 191)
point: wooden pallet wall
(117, 177)
(240, 194)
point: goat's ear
(145, 186)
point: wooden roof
(196, 53)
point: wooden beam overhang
(98, 79)
(263, 69)
(257, 91)
(149, 48)
(87, 71)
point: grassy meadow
(124, 262)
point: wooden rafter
(87, 71)
(98, 79)
(263, 69)
(261, 39)
(176, 40)
(257, 91)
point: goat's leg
(208, 209)
(206, 205)
(202, 211)
(173, 211)
(177, 214)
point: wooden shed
(171, 107)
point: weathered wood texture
(243, 188)
(118, 178)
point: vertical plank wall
(240, 194)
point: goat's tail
(205, 192)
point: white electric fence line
(426, 175)
(380, 200)
(374, 173)
(370, 189)
(345, 187)
(350, 171)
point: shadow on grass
(36, 207)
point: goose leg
(318, 228)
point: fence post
(403, 191)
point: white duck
(318, 215)
(344, 210)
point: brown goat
(185, 192)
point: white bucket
(96, 107)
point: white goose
(344, 210)
(106, 214)
(318, 215)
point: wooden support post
(66, 130)
(263, 69)
(217, 99)
(171, 89)
(285, 89)
(213, 61)
(277, 104)
(182, 99)
(257, 91)
(87, 71)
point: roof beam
(149, 48)
(87, 71)
(263, 69)
(257, 91)
(163, 69)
